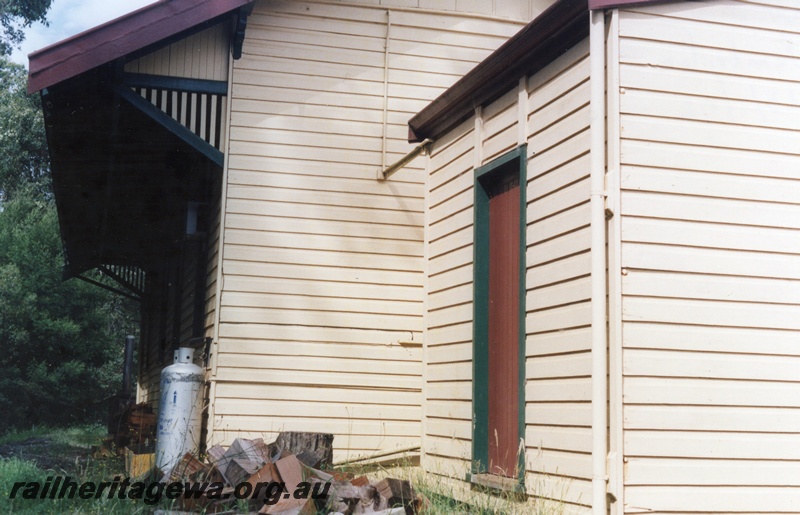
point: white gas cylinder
(180, 410)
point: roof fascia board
(610, 4)
(538, 42)
(121, 37)
(174, 38)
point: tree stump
(296, 442)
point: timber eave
(121, 37)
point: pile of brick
(302, 463)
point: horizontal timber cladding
(212, 260)
(554, 109)
(710, 149)
(558, 389)
(321, 310)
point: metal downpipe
(598, 264)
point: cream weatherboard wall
(549, 112)
(321, 306)
(558, 390)
(710, 182)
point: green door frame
(516, 160)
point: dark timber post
(127, 368)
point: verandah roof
(120, 38)
(121, 178)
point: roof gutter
(608, 4)
(549, 35)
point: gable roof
(120, 37)
(121, 177)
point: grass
(83, 436)
(44, 452)
(447, 496)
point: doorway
(499, 317)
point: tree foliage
(15, 15)
(61, 342)
(24, 159)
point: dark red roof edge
(608, 4)
(120, 37)
(556, 29)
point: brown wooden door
(504, 284)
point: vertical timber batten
(615, 337)
(597, 83)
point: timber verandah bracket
(130, 280)
(206, 117)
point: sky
(70, 17)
